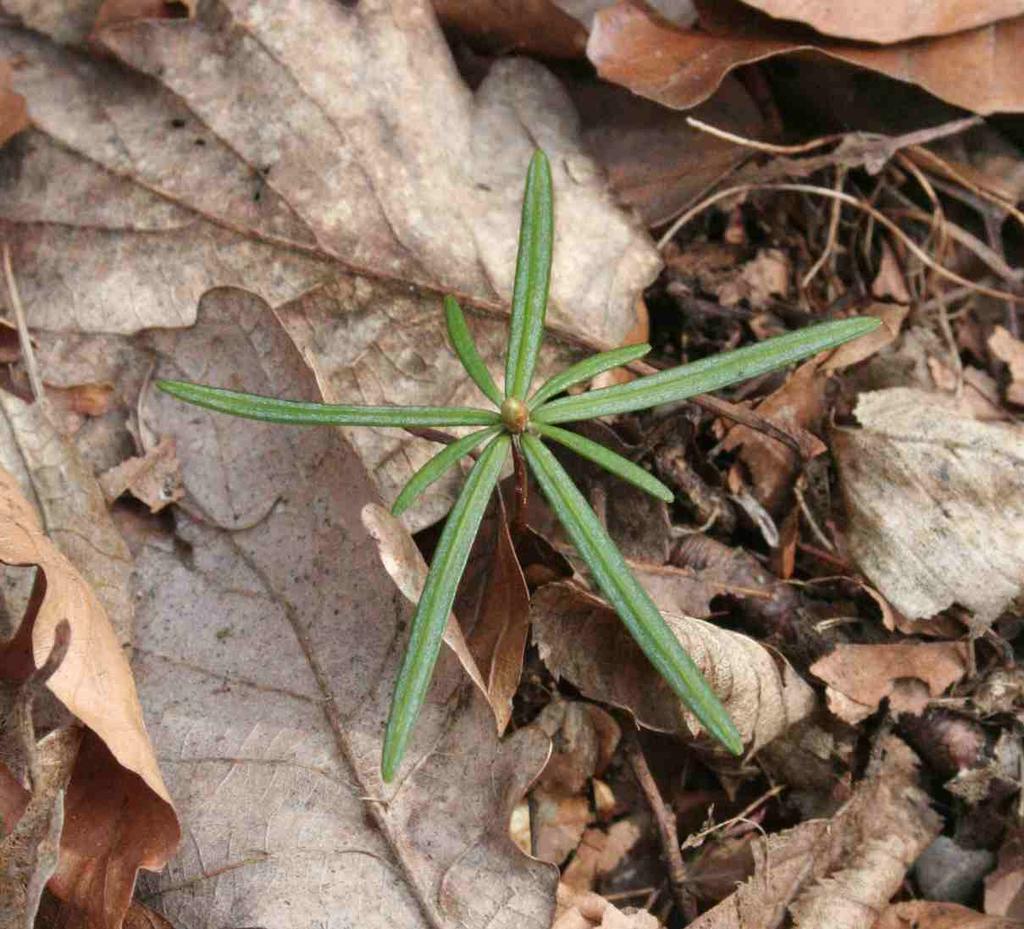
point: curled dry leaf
(582, 640)
(70, 505)
(153, 478)
(885, 21)
(632, 46)
(600, 852)
(94, 682)
(860, 677)
(933, 502)
(837, 873)
(267, 653)
(925, 914)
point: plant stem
(518, 521)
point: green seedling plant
(521, 423)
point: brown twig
(665, 819)
(35, 380)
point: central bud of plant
(514, 415)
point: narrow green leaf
(465, 348)
(533, 274)
(435, 604)
(708, 374)
(630, 600)
(300, 413)
(438, 466)
(607, 459)
(585, 370)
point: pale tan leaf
(267, 655)
(859, 677)
(152, 478)
(837, 873)
(933, 502)
(680, 68)
(1011, 351)
(926, 914)
(582, 640)
(69, 504)
(588, 910)
(140, 195)
(600, 852)
(885, 21)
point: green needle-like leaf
(533, 273)
(300, 413)
(607, 459)
(585, 370)
(624, 592)
(466, 349)
(708, 374)
(436, 602)
(438, 466)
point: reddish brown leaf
(1004, 887)
(13, 109)
(887, 21)
(859, 677)
(632, 46)
(926, 914)
(537, 26)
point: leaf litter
(845, 559)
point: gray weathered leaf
(268, 641)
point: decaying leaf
(69, 505)
(97, 867)
(884, 21)
(316, 169)
(932, 496)
(592, 911)
(632, 46)
(152, 478)
(837, 872)
(860, 677)
(268, 640)
(582, 640)
(537, 26)
(1004, 887)
(926, 914)
(1011, 351)
(600, 852)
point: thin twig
(833, 231)
(35, 380)
(877, 215)
(431, 435)
(665, 819)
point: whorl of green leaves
(544, 410)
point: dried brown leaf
(69, 504)
(582, 640)
(152, 478)
(1004, 887)
(837, 872)
(94, 682)
(859, 677)
(537, 26)
(299, 167)
(680, 68)
(267, 654)
(891, 315)
(600, 851)
(925, 914)
(885, 22)
(932, 498)
(1011, 351)
(13, 111)
(798, 408)
(592, 911)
